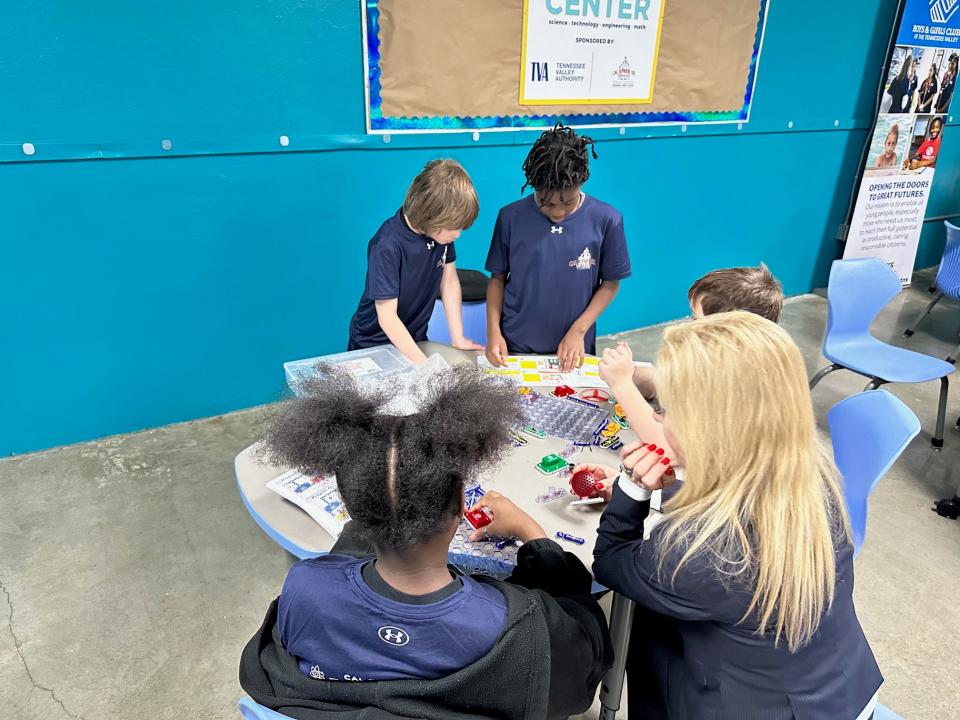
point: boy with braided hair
(556, 259)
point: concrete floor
(132, 576)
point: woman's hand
(508, 520)
(647, 466)
(616, 365)
(609, 475)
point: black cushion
(473, 283)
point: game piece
(568, 451)
(518, 439)
(618, 410)
(530, 430)
(610, 441)
(616, 446)
(550, 464)
(562, 391)
(584, 483)
(588, 501)
(478, 517)
(472, 494)
(571, 538)
(595, 395)
(524, 390)
(611, 429)
(552, 493)
(506, 541)
(577, 400)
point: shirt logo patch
(317, 673)
(443, 261)
(584, 262)
(393, 636)
(556, 229)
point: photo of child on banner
(925, 145)
(890, 144)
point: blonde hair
(760, 495)
(441, 197)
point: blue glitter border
(521, 122)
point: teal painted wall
(158, 287)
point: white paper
(318, 496)
(545, 370)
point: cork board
(449, 64)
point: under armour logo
(393, 635)
(556, 229)
(430, 245)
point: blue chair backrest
(857, 291)
(474, 323)
(948, 276)
(869, 431)
(250, 710)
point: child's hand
(571, 350)
(647, 465)
(609, 477)
(508, 520)
(496, 350)
(616, 365)
(465, 343)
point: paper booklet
(318, 496)
(545, 370)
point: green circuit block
(550, 464)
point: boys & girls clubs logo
(942, 10)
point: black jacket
(547, 663)
(723, 668)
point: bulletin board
(454, 65)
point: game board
(545, 370)
(566, 419)
(483, 556)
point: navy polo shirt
(553, 269)
(404, 265)
(341, 621)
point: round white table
(516, 477)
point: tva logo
(540, 72)
(942, 10)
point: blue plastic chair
(947, 283)
(884, 713)
(251, 710)
(474, 323)
(869, 431)
(856, 293)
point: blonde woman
(744, 588)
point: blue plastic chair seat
(871, 357)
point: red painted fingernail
(666, 461)
(651, 446)
(659, 451)
(669, 471)
(599, 486)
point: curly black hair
(558, 160)
(400, 477)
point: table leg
(611, 688)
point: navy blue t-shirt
(404, 265)
(339, 628)
(553, 269)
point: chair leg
(909, 331)
(822, 374)
(937, 441)
(873, 384)
(952, 357)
